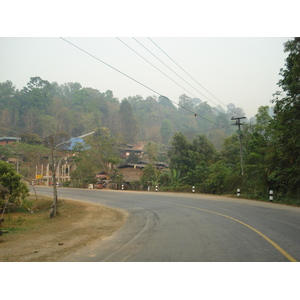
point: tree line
(67, 110)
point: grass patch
(37, 217)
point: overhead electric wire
(110, 66)
(153, 65)
(174, 72)
(195, 114)
(190, 75)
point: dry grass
(36, 237)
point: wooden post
(54, 208)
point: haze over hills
(69, 109)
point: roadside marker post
(238, 192)
(193, 189)
(156, 188)
(122, 186)
(271, 195)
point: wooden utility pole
(54, 208)
(238, 123)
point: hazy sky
(243, 71)
(234, 49)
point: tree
(129, 122)
(151, 151)
(31, 139)
(9, 179)
(150, 174)
(38, 93)
(166, 131)
(179, 154)
(186, 156)
(99, 154)
(256, 139)
(230, 153)
(7, 92)
(286, 125)
(215, 183)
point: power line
(174, 72)
(110, 66)
(190, 75)
(195, 114)
(153, 65)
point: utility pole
(54, 209)
(238, 123)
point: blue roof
(74, 142)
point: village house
(8, 140)
(134, 172)
(125, 152)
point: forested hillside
(46, 108)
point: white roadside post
(238, 192)
(193, 189)
(271, 195)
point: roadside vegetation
(33, 214)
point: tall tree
(186, 156)
(129, 124)
(286, 125)
(166, 131)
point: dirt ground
(78, 225)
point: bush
(9, 179)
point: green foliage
(31, 139)
(116, 176)
(285, 132)
(135, 185)
(98, 155)
(45, 108)
(191, 158)
(151, 151)
(216, 183)
(128, 121)
(165, 178)
(9, 179)
(5, 152)
(176, 179)
(150, 175)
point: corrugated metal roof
(9, 138)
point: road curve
(174, 227)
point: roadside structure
(134, 172)
(8, 140)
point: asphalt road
(173, 227)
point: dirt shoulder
(78, 225)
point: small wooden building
(8, 140)
(132, 172)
